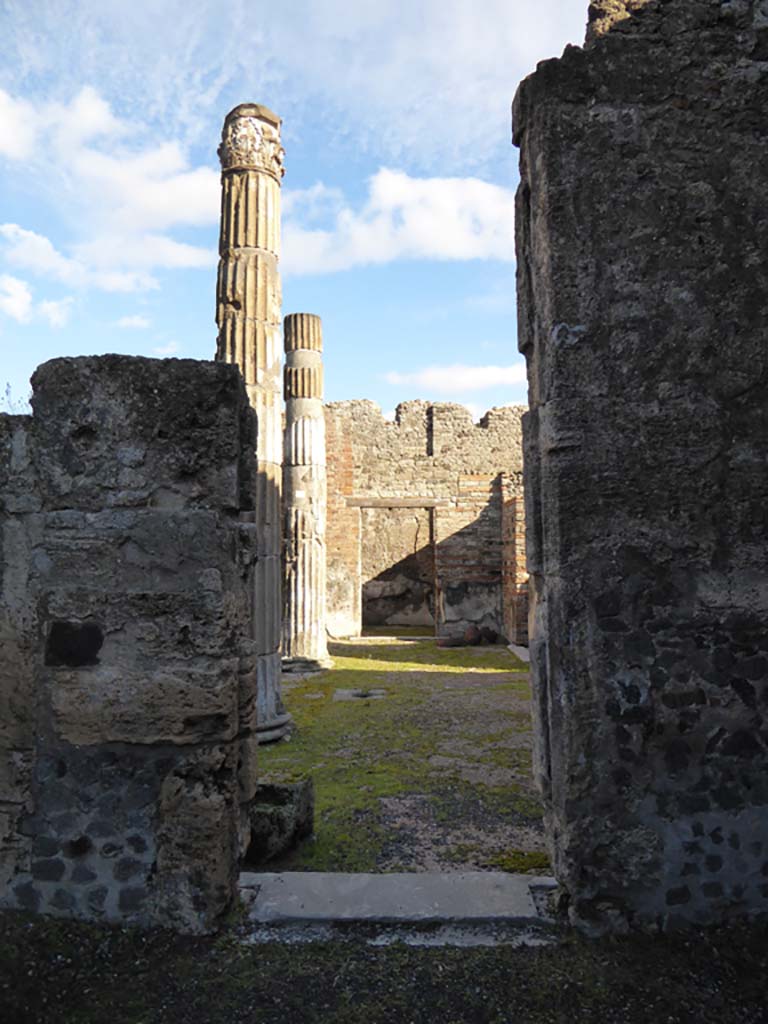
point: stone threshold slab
(520, 652)
(471, 896)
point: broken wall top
(441, 431)
(124, 431)
(656, 51)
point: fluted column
(304, 491)
(248, 302)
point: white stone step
(469, 896)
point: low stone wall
(425, 518)
(127, 666)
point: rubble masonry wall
(127, 669)
(431, 488)
(643, 314)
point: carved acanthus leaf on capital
(248, 143)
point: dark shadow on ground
(54, 971)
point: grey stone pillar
(304, 488)
(645, 461)
(248, 316)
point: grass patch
(362, 751)
(520, 862)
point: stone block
(158, 626)
(248, 766)
(127, 525)
(122, 431)
(15, 774)
(197, 837)
(15, 849)
(181, 704)
(280, 816)
(124, 550)
(18, 629)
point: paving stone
(407, 897)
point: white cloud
(88, 116)
(143, 252)
(15, 298)
(36, 253)
(121, 188)
(56, 313)
(167, 350)
(137, 322)
(113, 169)
(16, 302)
(312, 204)
(427, 83)
(18, 127)
(408, 218)
(50, 127)
(458, 378)
(151, 188)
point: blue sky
(398, 221)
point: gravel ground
(54, 972)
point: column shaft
(248, 299)
(304, 489)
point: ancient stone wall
(643, 311)
(127, 664)
(397, 566)
(418, 510)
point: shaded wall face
(468, 556)
(342, 534)
(397, 567)
(418, 502)
(127, 669)
(643, 304)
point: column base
(305, 666)
(276, 729)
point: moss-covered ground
(430, 768)
(54, 972)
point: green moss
(362, 751)
(520, 861)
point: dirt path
(421, 758)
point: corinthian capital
(250, 140)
